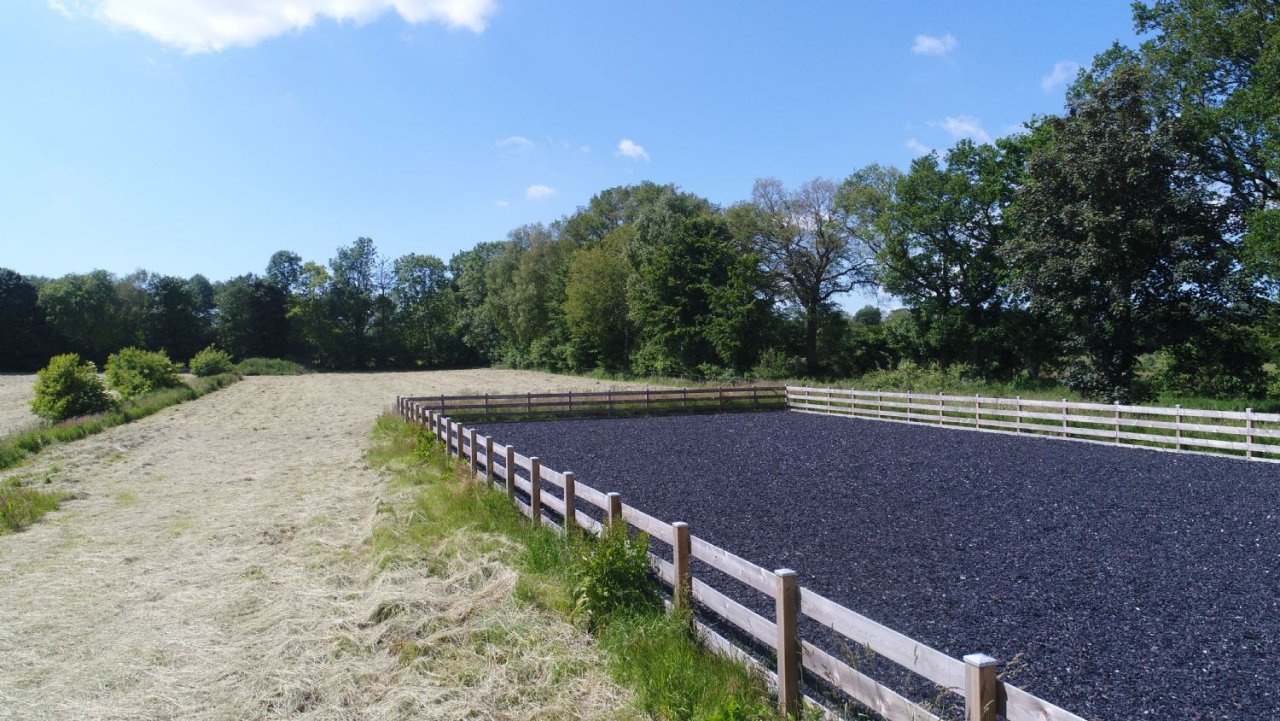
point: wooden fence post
(570, 502)
(981, 688)
(977, 411)
(535, 490)
(488, 461)
(1248, 438)
(486, 405)
(511, 472)
(570, 402)
(941, 404)
(1017, 420)
(680, 559)
(474, 453)
(1117, 423)
(788, 606)
(615, 508)
(879, 403)
(446, 425)
(1064, 417)
(646, 401)
(529, 400)
(1177, 427)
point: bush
(133, 371)
(210, 362)
(776, 365)
(67, 388)
(613, 576)
(269, 367)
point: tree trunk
(811, 340)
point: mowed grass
(15, 448)
(672, 674)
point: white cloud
(918, 147)
(1064, 71)
(965, 126)
(516, 143)
(502, 203)
(940, 45)
(201, 26)
(628, 148)
(538, 192)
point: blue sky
(203, 135)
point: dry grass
(15, 399)
(238, 585)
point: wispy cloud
(201, 26)
(939, 45)
(628, 148)
(1064, 71)
(918, 147)
(502, 203)
(538, 192)
(965, 126)
(515, 143)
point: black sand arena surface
(1122, 583)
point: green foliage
(1117, 243)
(20, 507)
(210, 362)
(270, 367)
(774, 364)
(613, 576)
(26, 338)
(67, 388)
(1227, 362)
(676, 678)
(133, 371)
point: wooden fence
(974, 678)
(605, 403)
(1246, 434)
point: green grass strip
(17, 447)
(20, 507)
(674, 676)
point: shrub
(269, 367)
(613, 576)
(210, 362)
(133, 371)
(67, 388)
(21, 507)
(775, 365)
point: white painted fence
(1244, 434)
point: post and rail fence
(579, 404)
(1245, 434)
(973, 679)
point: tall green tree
(87, 314)
(173, 320)
(937, 237)
(24, 341)
(1117, 241)
(251, 319)
(807, 245)
(427, 311)
(596, 309)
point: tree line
(1133, 239)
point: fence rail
(1246, 434)
(974, 678)
(606, 403)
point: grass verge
(20, 507)
(672, 675)
(16, 447)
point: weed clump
(612, 576)
(69, 387)
(20, 507)
(133, 371)
(210, 362)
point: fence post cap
(679, 524)
(533, 459)
(613, 494)
(981, 660)
(784, 572)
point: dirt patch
(235, 584)
(15, 399)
